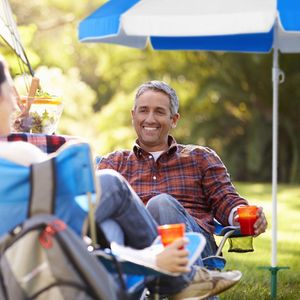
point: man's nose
(150, 117)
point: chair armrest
(234, 233)
(221, 230)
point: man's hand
(261, 223)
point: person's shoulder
(199, 153)
(115, 157)
(195, 149)
(22, 152)
(113, 160)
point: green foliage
(120, 134)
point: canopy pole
(277, 78)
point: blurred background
(225, 98)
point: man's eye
(161, 112)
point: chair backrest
(29, 196)
(74, 178)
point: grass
(255, 283)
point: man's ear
(175, 119)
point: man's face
(152, 120)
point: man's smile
(149, 128)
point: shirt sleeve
(220, 193)
(110, 161)
(103, 163)
(231, 215)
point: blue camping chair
(237, 243)
(74, 177)
(74, 187)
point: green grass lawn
(255, 283)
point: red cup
(247, 217)
(171, 232)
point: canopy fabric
(226, 25)
(105, 23)
(199, 17)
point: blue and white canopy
(226, 25)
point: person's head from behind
(7, 98)
(154, 114)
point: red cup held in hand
(171, 232)
(247, 218)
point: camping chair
(74, 189)
(237, 243)
(73, 177)
(73, 183)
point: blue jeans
(123, 217)
(120, 205)
(165, 209)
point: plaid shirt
(47, 143)
(194, 175)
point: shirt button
(154, 177)
(150, 156)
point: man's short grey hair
(160, 86)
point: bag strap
(42, 183)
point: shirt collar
(139, 151)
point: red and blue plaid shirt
(194, 175)
(47, 143)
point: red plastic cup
(171, 232)
(247, 218)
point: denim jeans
(120, 205)
(124, 219)
(165, 209)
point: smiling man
(177, 183)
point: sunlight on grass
(255, 283)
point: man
(178, 183)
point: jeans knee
(113, 231)
(109, 178)
(160, 202)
